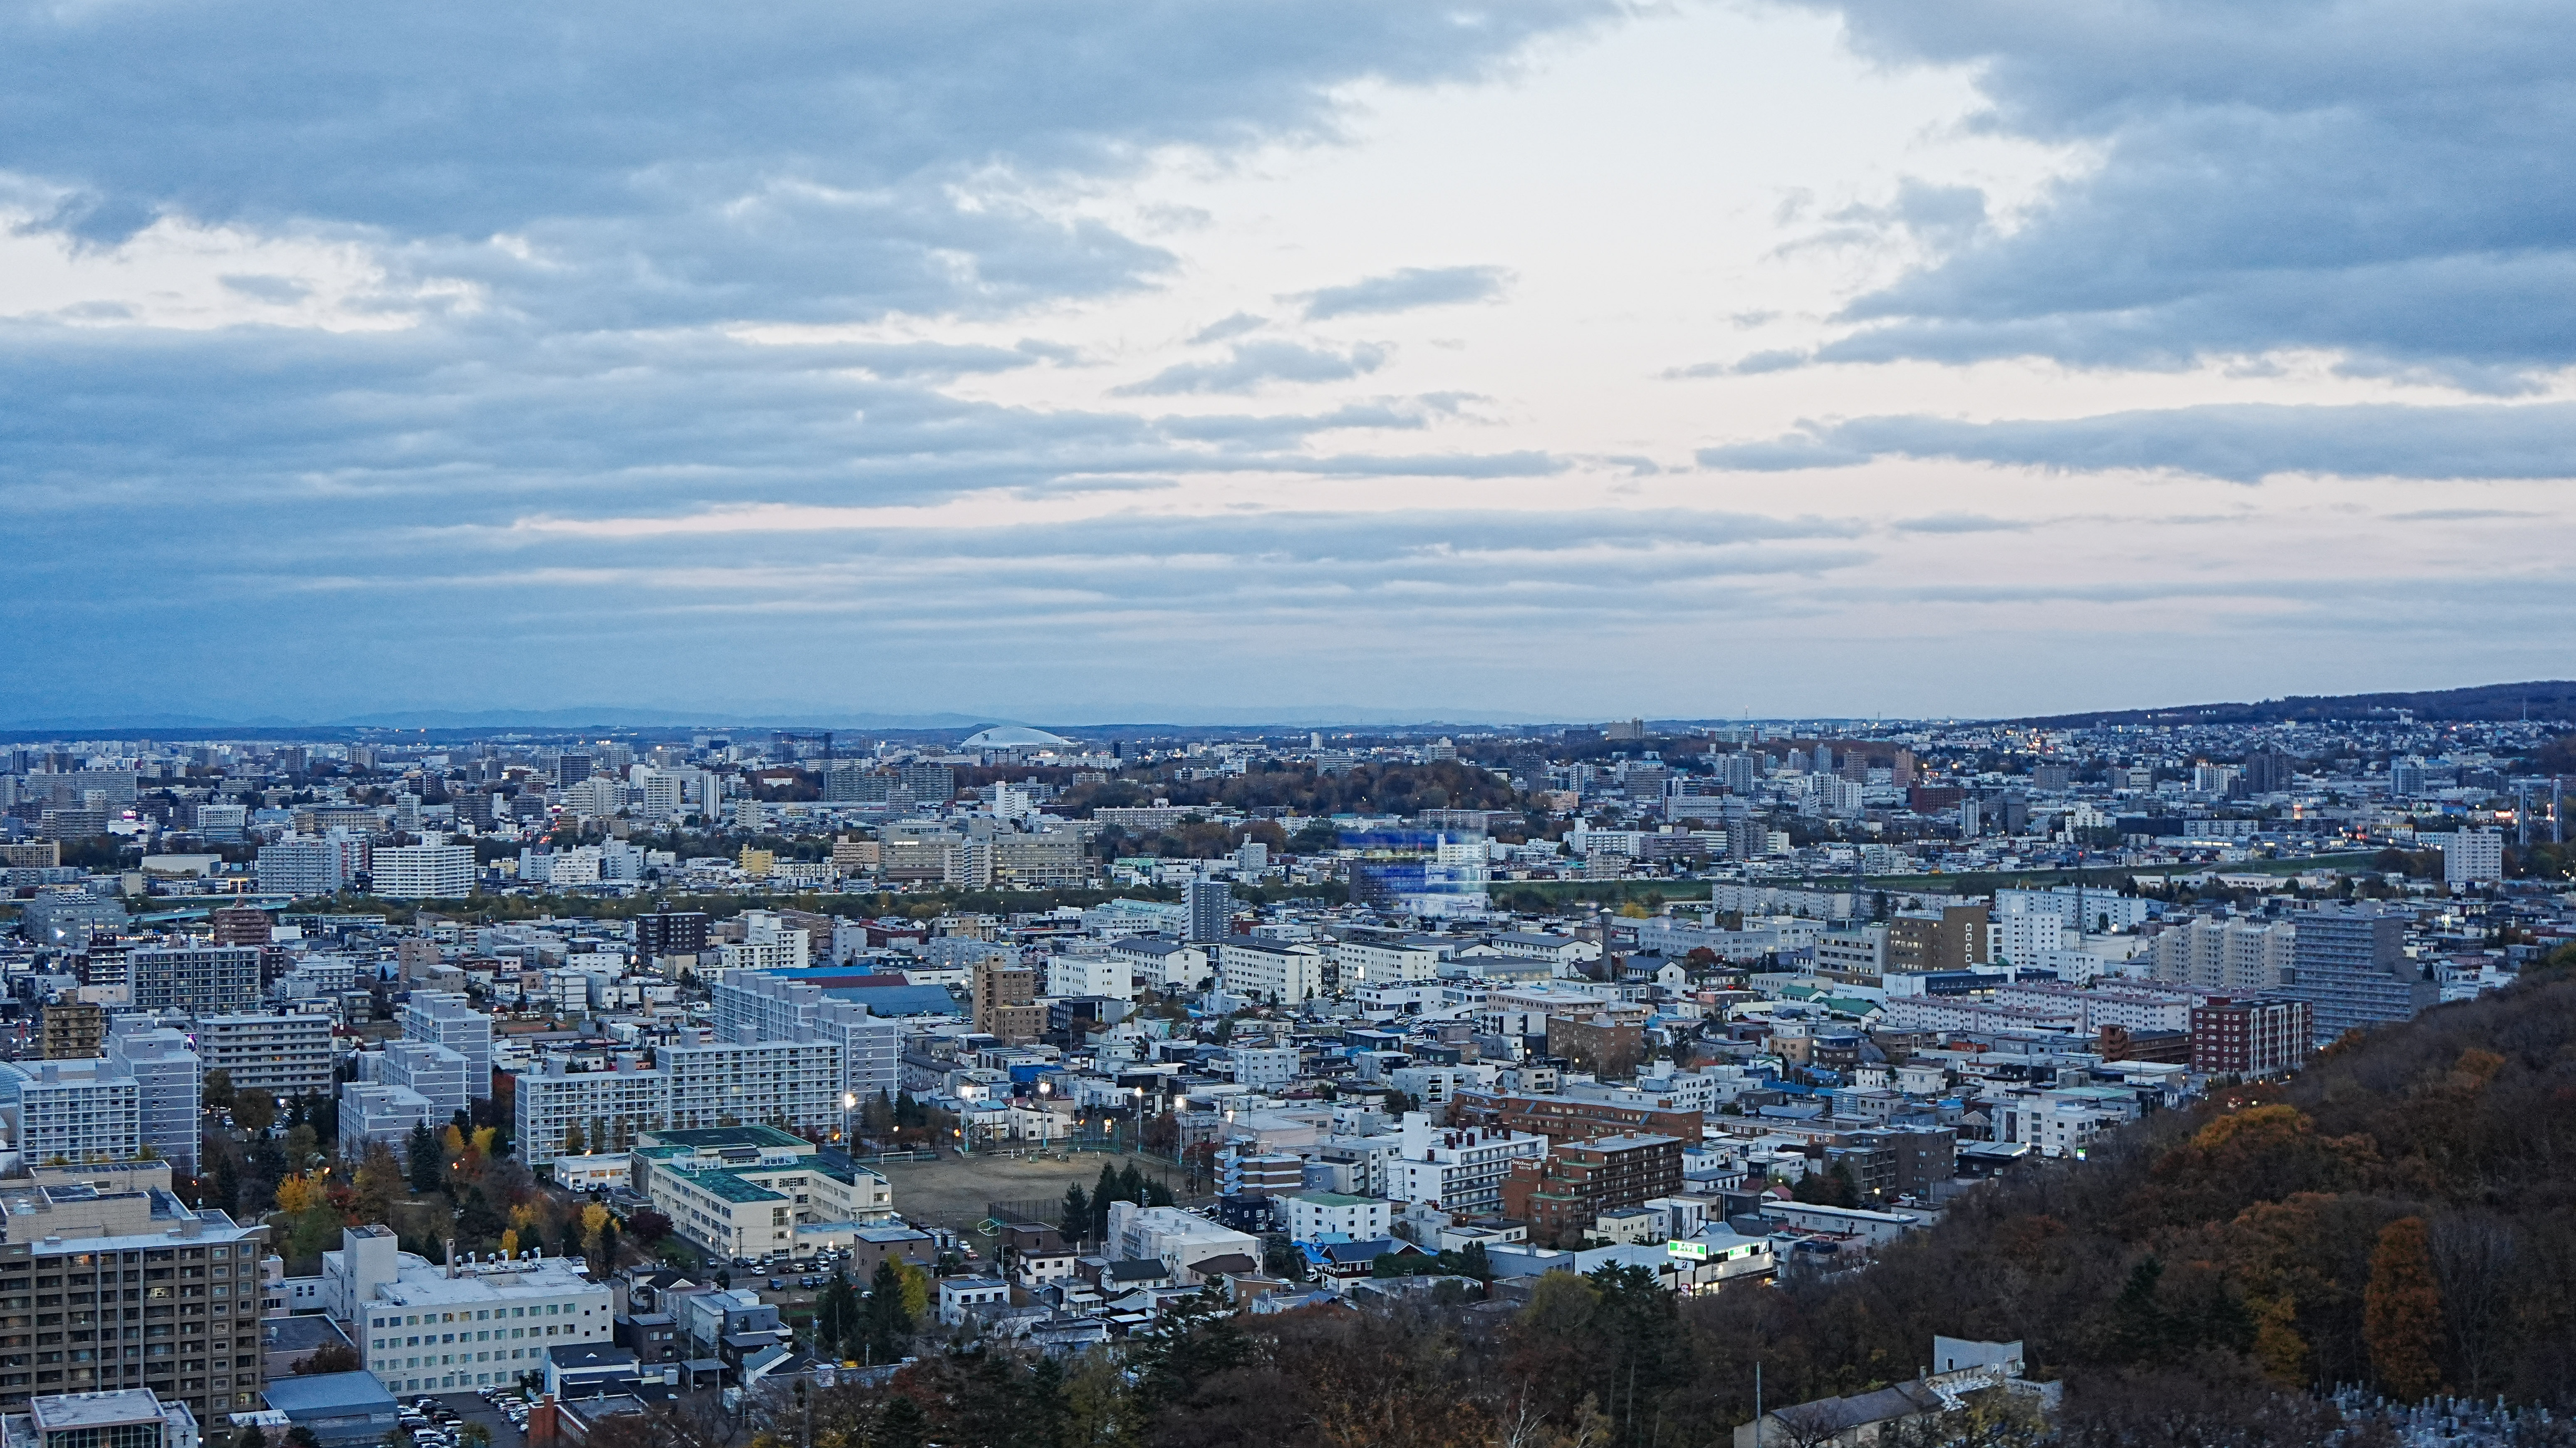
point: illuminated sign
(1695, 1251)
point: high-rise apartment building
(194, 979)
(129, 1258)
(168, 1087)
(71, 1111)
(285, 1055)
(2250, 1038)
(72, 1030)
(750, 1006)
(1956, 938)
(1005, 999)
(1211, 910)
(240, 925)
(795, 1085)
(432, 1072)
(445, 1018)
(2233, 954)
(2350, 966)
(423, 872)
(302, 867)
(2471, 857)
(670, 932)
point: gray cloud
(2242, 443)
(1250, 365)
(2386, 181)
(1405, 290)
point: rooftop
(96, 1410)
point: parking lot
(471, 1408)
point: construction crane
(788, 739)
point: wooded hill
(2539, 699)
(2401, 1216)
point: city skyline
(1783, 360)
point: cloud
(1250, 365)
(2384, 181)
(1234, 326)
(2242, 443)
(1405, 290)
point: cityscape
(921, 1076)
(1305, 724)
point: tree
(888, 1324)
(378, 1180)
(2402, 1311)
(330, 1358)
(254, 1111)
(836, 1314)
(1076, 1220)
(301, 1193)
(573, 1145)
(218, 1089)
(250, 1437)
(648, 1227)
(476, 1221)
(300, 1436)
(428, 1168)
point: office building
(670, 932)
(743, 1191)
(2250, 1038)
(194, 979)
(109, 1418)
(1210, 904)
(2350, 966)
(423, 872)
(88, 1249)
(422, 1328)
(71, 1111)
(1954, 939)
(168, 1087)
(68, 919)
(285, 1055)
(446, 1018)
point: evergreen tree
(2139, 1330)
(900, 1424)
(476, 1222)
(1194, 1340)
(427, 1168)
(1076, 1220)
(836, 1314)
(1103, 1192)
(1131, 1185)
(889, 1322)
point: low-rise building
(430, 1329)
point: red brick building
(2257, 1036)
(1579, 1180)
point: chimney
(451, 1257)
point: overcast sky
(1181, 359)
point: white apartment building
(2230, 954)
(422, 872)
(2134, 1006)
(1262, 970)
(287, 1055)
(1179, 1240)
(1366, 960)
(1859, 951)
(169, 1106)
(750, 1006)
(435, 1073)
(1073, 973)
(2090, 911)
(428, 1329)
(387, 1114)
(71, 1111)
(1315, 1215)
(445, 1018)
(794, 1084)
(1165, 964)
(2025, 938)
(2471, 857)
(768, 943)
(301, 867)
(1264, 1068)
(1515, 1011)
(1456, 1170)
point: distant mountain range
(2552, 699)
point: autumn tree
(2402, 1311)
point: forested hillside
(2403, 1216)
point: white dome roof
(1012, 736)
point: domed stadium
(1014, 736)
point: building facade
(195, 979)
(285, 1055)
(2351, 969)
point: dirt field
(952, 1192)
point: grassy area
(953, 1191)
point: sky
(1201, 359)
